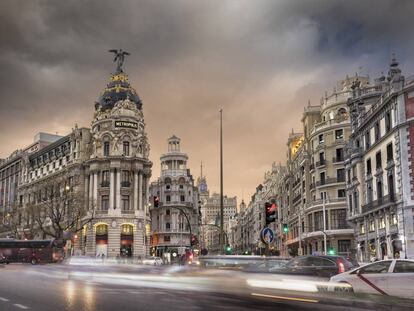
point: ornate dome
(118, 89)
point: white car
(387, 277)
(153, 261)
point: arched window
(106, 149)
(126, 148)
(167, 226)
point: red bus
(33, 251)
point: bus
(31, 251)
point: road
(57, 287)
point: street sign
(267, 235)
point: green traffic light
(285, 228)
(331, 252)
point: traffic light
(156, 201)
(194, 240)
(228, 250)
(285, 228)
(270, 210)
(331, 251)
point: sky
(260, 61)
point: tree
(59, 205)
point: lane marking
(20, 306)
(4, 299)
(286, 298)
(372, 285)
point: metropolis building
(107, 166)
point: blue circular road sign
(267, 235)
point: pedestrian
(103, 257)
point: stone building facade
(175, 205)
(379, 166)
(106, 168)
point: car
(387, 277)
(264, 266)
(320, 266)
(153, 261)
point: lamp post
(221, 185)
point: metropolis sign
(126, 124)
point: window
(322, 178)
(344, 246)
(167, 187)
(167, 238)
(105, 203)
(338, 219)
(168, 198)
(181, 187)
(319, 262)
(105, 179)
(371, 225)
(339, 155)
(340, 175)
(367, 140)
(381, 223)
(387, 122)
(322, 158)
(106, 149)
(393, 219)
(389, 153)
(402, 266)
(182, 198)
(341, 193)
(362, 228)
(318, 217)
(349, 203)
(167, 226)
(126, 148)
(377, 131)
(125, 203)
(378, 160)
(167, 212)
(378, 267)
(125, 176)
(339, 134)
(369, 169)
(321, 141)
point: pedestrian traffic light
(285, 228)
(270, 211)
(156, 201)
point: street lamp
(221, 184)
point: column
(140, 187)
(118, 189)
(136, 191)
(91, 187)
(87, 203)
(95, 186)
(111, 189)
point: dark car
(264, 266)
(321, 266)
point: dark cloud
(259, 60)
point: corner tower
(118, 170)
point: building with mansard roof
(379, 165)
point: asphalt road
(55, 287)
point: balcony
(127, 211)
(105, 183)
(321, 163)
(101, 212)
(125, 184)
(328, 181)
(338, 160)
(385, 200)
